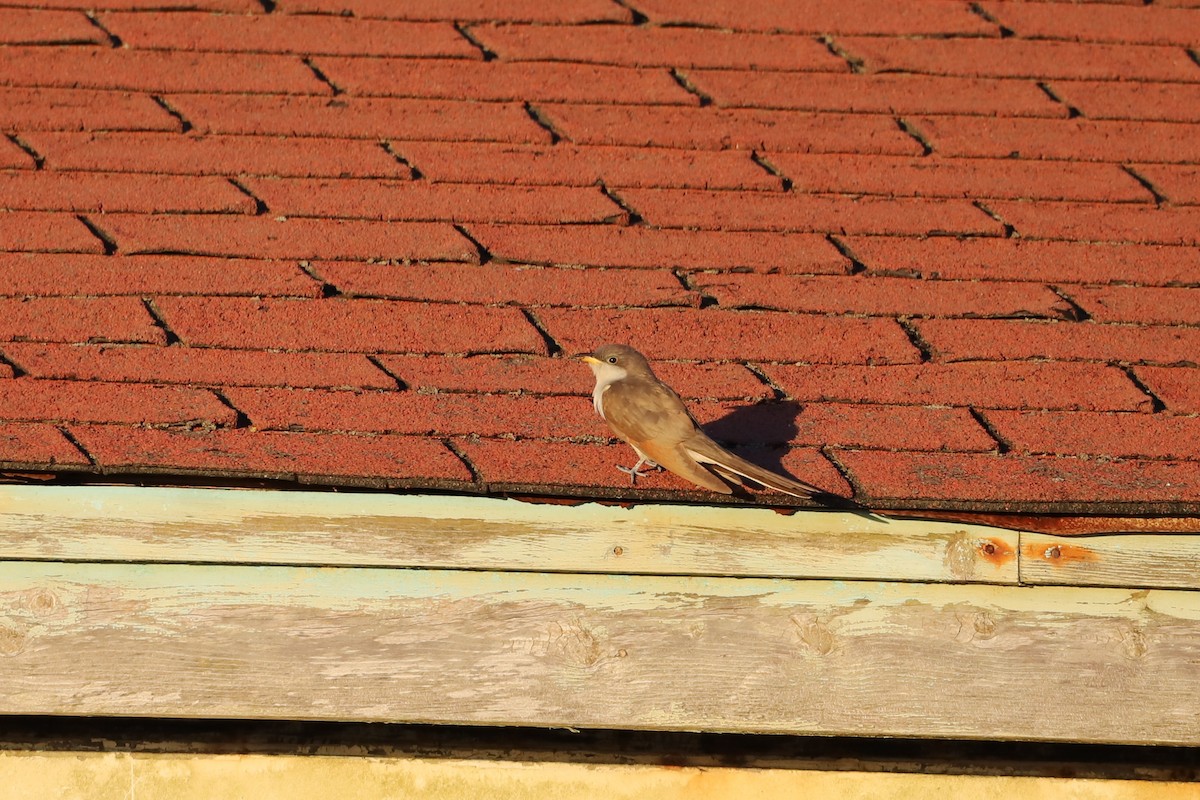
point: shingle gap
(846, 474)
(1194, 55)
(1074, 312)
(485, 255)
(465, 32)
(553, 348)
(856, 64)
(110, 244)
(1009, 231)
(327, 288)
(638, 17)
(70, 437)
(685, 280)
(1159, 197)
(982, 12)
(690, 87)
(184, 124)
(634, 218)
(268, 6)
(462, 456)
(765, 379)
(260, 206)
(915, 339)
(857, 267)
(322, 77)
(241, 420)
(536, 115)
(1072, 111)
(401, 384)
(1156, 403)
(113, 39)
(1002, 445)
(761, 161)
(160, 322)
(400, 159)
(17, 370)
(39, 160)
(916, 135)
(696, 26)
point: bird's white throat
(606, 375)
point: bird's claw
(636, 471)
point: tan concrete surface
(124, 776)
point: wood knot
(1133, 642)
(42, 603)
(574, 644)
(815, 635)
(12, 639)
(985, 625)
(960, 556)
(975, 626)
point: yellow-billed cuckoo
(648, 414)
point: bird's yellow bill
(590, 360)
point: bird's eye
(612, 359)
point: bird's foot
(636, 471)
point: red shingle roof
(931, 254)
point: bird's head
(613, 362)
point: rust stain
(1077, 526)
(28, 477)
(1059, 554)
(541, 499)
(996, 551)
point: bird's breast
(598, 397)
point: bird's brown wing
(652, 418)
(704, 450)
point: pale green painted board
(101, 523)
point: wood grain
(116, 523)
(690, 653)
(1169, 561)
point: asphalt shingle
(938, 256)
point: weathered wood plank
(1169, 561)
(677, 653)
(121, 776)
(322, 528)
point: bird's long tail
(734, 468)
(709, 453)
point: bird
(649, 416)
